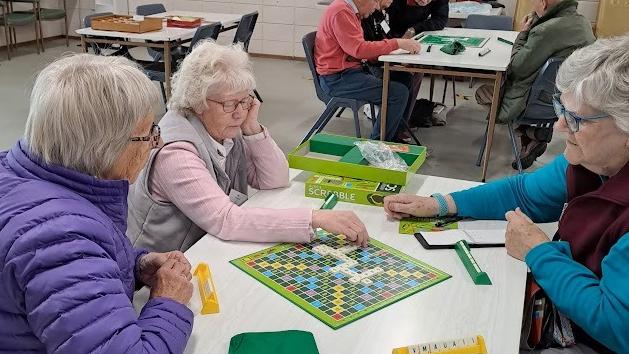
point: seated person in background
(583, 272)
(214, 148)
(377, 27)
(554, 29)
(67, 271)
(340, 47)
(410, 17)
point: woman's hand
(172, 281)
(251, 126)
(151, 262)
(400, 206)
(522, 234)
(341, 222)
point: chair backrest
(501, 23)
(150, 9)
(87, 20)
(245, 29)
(539, 105)
(210, 31)
(309, 42)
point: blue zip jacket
(600, 306)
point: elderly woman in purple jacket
(67, 270)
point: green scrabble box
(350, 190)
(337, 155)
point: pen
(448, 221)
(505, 41)
(484, 52)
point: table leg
(83, 44)
(492, 123)
(167, 68)
(385, 99)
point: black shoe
(531, 155)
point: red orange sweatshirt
(340, 44)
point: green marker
(330, 201)
(505, 41)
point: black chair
(243, 35)
(146, 10)
(116, 50)
(539, 109)
(156, 70)
(334, 103)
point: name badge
(385, 26)
(237, 198)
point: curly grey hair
(83, 110)
(208, 70)
(598, 75)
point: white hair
(208, 70)
(83, 110)
(598, 75)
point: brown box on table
(122, 23)
(183, 21)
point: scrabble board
(472, 42)
(337, 282)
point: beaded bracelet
(443, 204)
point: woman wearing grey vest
(214, 148)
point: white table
(164, 39)
(466, 64)
(453, 308)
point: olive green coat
(556, 34)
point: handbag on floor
(542, 325)
(422, 115)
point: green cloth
(285, 342)
(556, 34)
(453, 48)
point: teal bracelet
(443, 204)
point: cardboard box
(350, 190)
(337, 155)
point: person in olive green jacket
(553, 29)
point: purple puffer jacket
(67, 268)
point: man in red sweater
(339, 49)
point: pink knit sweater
(181, 177)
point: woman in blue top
(584, 271)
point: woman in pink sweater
(214, 148)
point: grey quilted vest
(161, 226)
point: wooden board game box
(122, 23)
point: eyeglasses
(230, 106)
(572, 120)
(153, 137)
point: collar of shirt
(224, 148)
(353, 6)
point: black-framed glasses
(572, 119)
(153, 137)
(230, 106)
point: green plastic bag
(284, 342)
(453, 48)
